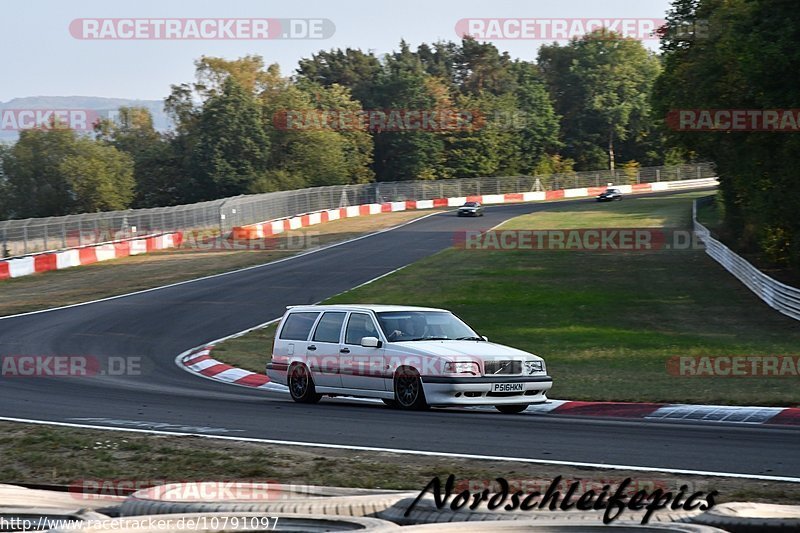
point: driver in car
(415, 327)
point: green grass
(606, 322)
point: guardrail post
(25, 237)
(658, 174)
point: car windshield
(471, 204)
(401, 326)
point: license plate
(508, 387)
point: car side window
(359, 325)
(298, 326)
(329, 327)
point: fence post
(25, 236)
(658, 175)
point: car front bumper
(442, 391)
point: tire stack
(179, 508)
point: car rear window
(329, 327)
(297, 326)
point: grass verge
(607, 322)
(120, 276)
(66, 456)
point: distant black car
(610, 195)
(471, 209)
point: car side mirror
(371, 342)
(484, 337)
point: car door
(322, 351)
(363, 367)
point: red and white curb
(87, 255)
(199, 361)
(785, 416)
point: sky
(42, 56)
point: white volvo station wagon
(409, 357)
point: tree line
(580, 106)
(747, 59)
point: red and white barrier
(86, 255)
(24, 266)
(274, 227)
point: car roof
(377, 308)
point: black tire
(408, 392)
(391, 403)
(301, 385)
(511, 409)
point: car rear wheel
(301, 385)
(408, 392)
(510, 409)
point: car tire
(408, 391)
(390, 403)
(301, 385)
(511, 409)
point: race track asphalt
(159, 324)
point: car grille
(501, 368)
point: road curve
(157, 325)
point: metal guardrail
(21, 237)
(775, 294)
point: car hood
(460, 349)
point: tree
(601, 84)
(156, 168)
(354, 69)
(232, 149)
(35, 185)
(740, 61)
(100, 177)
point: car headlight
(533, 367)
(462, 368)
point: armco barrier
(34, 264)
(274, 227)
(775, 294)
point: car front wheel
(301, 385)
(408, 392)
(510, 409)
